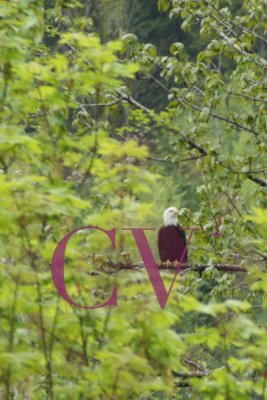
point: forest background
(112, 111)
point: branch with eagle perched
(112, 267)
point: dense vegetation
(110, 112)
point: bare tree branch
(186, 375)
(135, 103)
(111, 103)
(260, 62)
(259, 181)
(112, 267)
(220, 117)
(231, 21)
(233, 94)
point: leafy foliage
(78, 146)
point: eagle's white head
(170, 216)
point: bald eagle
(171, 239)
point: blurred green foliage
(110, 132)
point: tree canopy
(110, 112)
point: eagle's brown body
(172, 243)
